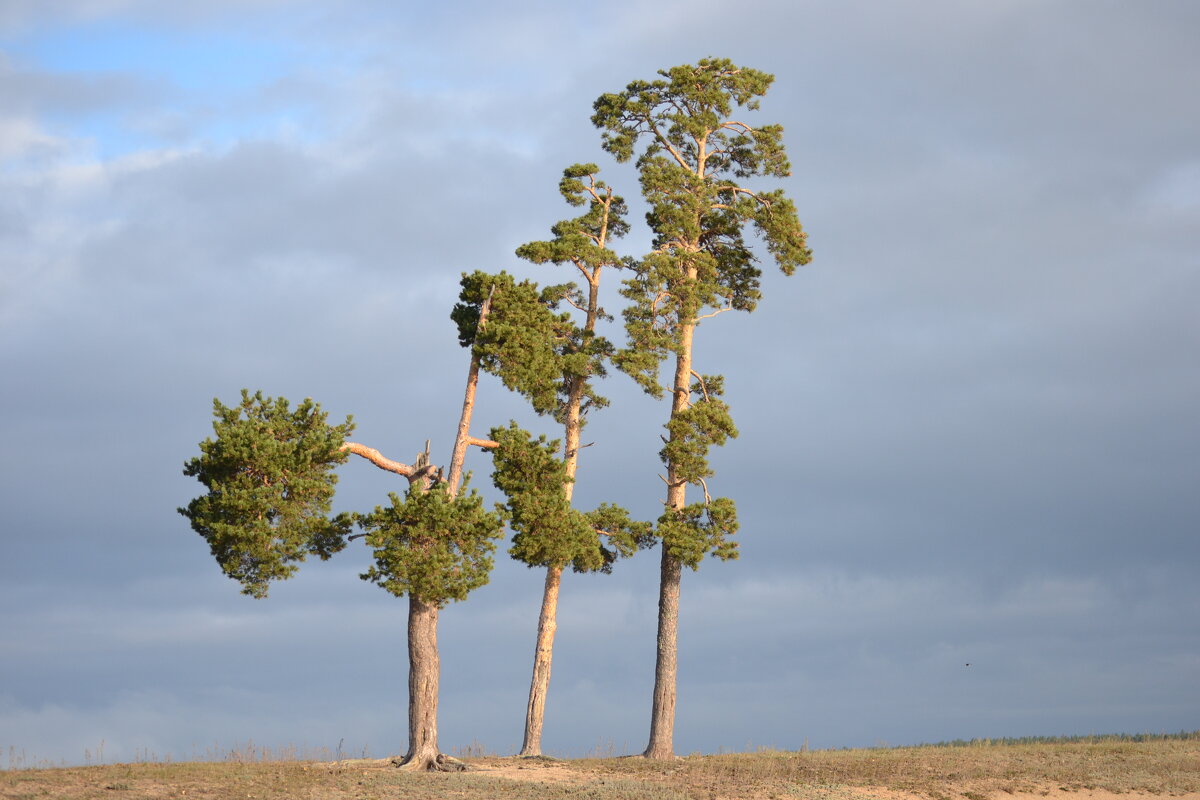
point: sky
(968, 429)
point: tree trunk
(543, 653)
(662, 715)
(462, 438)
(424, 668)
(424, 664)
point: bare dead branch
(738, 190)
(571, 302)
(713, 314)
(378, 459)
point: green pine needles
(430, 544)
(694, 155)
(547, 530)
(522, 338)
(270, 479)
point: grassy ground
(1165, 767)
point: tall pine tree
(582, 242)
(557, 373)
(691, 154)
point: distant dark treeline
(1091, 739)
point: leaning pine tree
(269, 479)
(693, 152)
(549, 532)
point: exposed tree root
(439, 763)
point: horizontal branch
(738, 190)
(487, 444)
(602, 532)
(378, 459)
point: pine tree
(269, 479)
(691, 152)
(556, 535)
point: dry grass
(1162, 767)
(1166, 767)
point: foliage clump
(269, 472)
(431, 544)
(547, 530)
(520, 339)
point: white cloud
(23, 140)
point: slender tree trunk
(662, 719)
(424, 663)
(542, 655)
(424, 669)
(666, 667)
(462, 439)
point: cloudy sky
(969, 428)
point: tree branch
(713, 314)
(570, 453)
(670, 148)
(378, 459)
(571, 302)
(736, 190)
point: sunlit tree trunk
(424, 663)
(424, 668)
(666, 666)
(543, 653)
